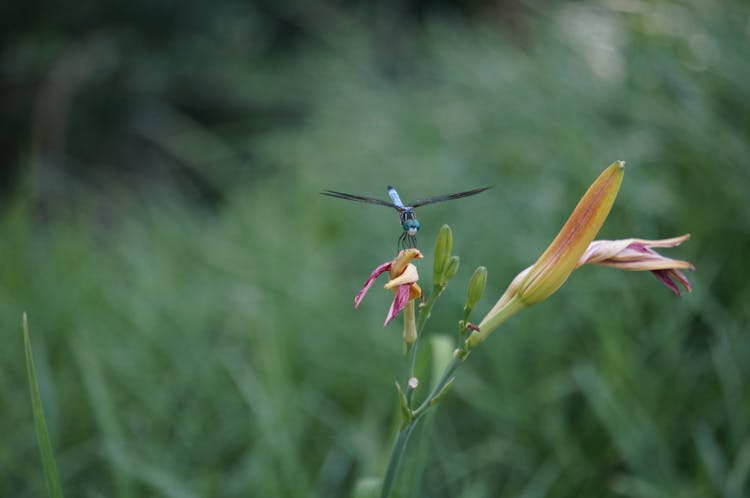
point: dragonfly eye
(411, 226)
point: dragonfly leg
(406, 241)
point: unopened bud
(443, 248)
(451, 268)
(477, 283)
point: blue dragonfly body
(408, 218)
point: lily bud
(477, 283)
(443, 248)
(556, 264)
(451, 268)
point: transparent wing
(358, 198)
(448, 197)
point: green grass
(42, 435)
(184, 351)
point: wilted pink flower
(403, 281)
(638, 255)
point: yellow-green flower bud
(555, 265)
(451, 268)
(443, 248)
(476, 287)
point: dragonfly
(408, 218)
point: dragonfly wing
(448, 197)
(358, 198)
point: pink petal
(672, 242)
(663, 275)
(399, 302)
(640, 247)
(667, 277)
(633, 254)
(375, 274)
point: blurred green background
(189, 292)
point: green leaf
(45, 447)
(405, 410)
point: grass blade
(45, 447)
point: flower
(403, 281)
(638, 255)
(558, 261)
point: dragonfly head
(409, 222)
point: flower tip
(409, 254)
(671, 277)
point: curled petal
(669, 276)
(403, 260)
(633, 254)
(415, 291)
(638, 255)
(408, 276)
(399, 302)
(375, 274)
(403, 281)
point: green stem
(394, 462)
(445, 377)
(424, 315)
(411, 364)
(402, 438)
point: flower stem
(394, 462)
(411, 361)
(445, 378)
(402, 438)
(404, 433)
